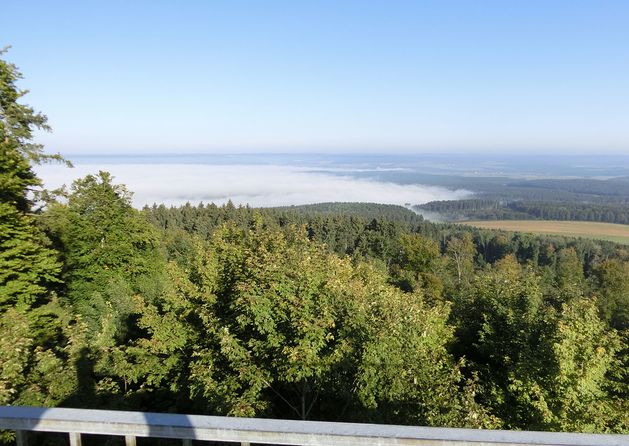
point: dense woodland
(485, 209)
(343, 312)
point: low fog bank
(256, 185)
(434, 217)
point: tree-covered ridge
(485, 209)
(614, 187)
(367, 211)
(349, 312)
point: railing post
(129, 440)
(187, 442)
(75, 439)
(21, 438)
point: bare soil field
(593, 230)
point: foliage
(27, 265)
(612, 282)
(108, 249)
(538, 367)
(37, 336)
(287, 329)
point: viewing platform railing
(246, 431)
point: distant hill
(616, 187)
(368, 211)
(479, 209)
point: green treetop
(36, 344)
(27, 265)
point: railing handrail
(274, 431)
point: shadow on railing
(245, 431)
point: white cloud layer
(256, 185)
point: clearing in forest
(586, 229)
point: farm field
(586, 229)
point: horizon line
(355, 153)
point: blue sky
(325, 76)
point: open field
(601, 231)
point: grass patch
(585, 229)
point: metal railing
(245, 431)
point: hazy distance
(276, 179)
